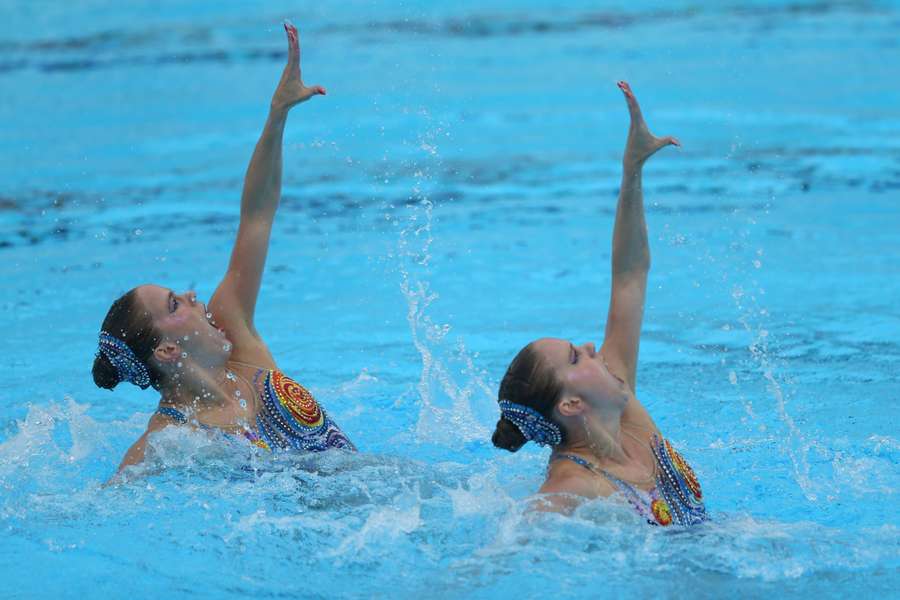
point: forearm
(262, 184)
(630, 248)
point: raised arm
(234, 301)
(630, 250)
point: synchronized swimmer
(210, 365)
(581, 400)
(214, 371)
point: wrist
(631, 175)
(631, 169)
(278, 112)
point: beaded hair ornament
(128, 366)
(533, 425)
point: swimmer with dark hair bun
(581, 401)
(209, 363)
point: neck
(195, 387)
(598, 436)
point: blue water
(451, 199)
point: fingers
(671, 141)
(632, 102)
(293, 37)
(318, 90)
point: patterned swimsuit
(289, 417)
(676, 497)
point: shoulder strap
(624, 486)
(575, 459)
(174, 413)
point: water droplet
(187, 337)
(243, 403)
(227, 347)
(179, 363)
(209, 315)
(184, 355)
(237, 393)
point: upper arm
(137, 452)
(623, 324)
(622, 340)
(234, 302)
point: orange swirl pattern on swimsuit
(290, 418)
(297, 400)
(685, 470)
(661, 512)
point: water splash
(438, 383)
(753, 318)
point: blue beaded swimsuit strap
(624, 486)
(178, 416)
(637, 498)
(174, 413)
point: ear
(571, 406)
(166, 352)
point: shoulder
(567, 477)
(161, 420)
(566, 488)
(136, 453)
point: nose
(191, 296)
(590, 349)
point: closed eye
(573, 354)
(173, 302)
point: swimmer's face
(583, 373)
(181, 320)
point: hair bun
(105, 373)
(507, 436)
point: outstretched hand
(290, 90)
(641, 143)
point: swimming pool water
(450, 200)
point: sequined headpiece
(128, 366)
(533, 425)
